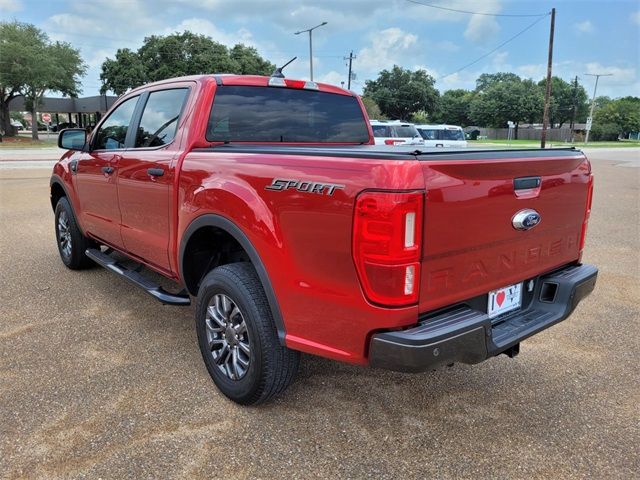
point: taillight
(391, 141)
(387, 243)
(587, 213)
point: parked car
(395, 133)
(442, 135)
(265, 200)
(62, 126)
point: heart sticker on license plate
(504, 300)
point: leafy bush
(606, 131)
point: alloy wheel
(227, 337)
(64, 233)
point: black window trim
(221, 86)
(137, 116)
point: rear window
(446, 134)
(274, 114)
(453, 134)
(381, 131)
(406, 131)
(428, 134)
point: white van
(394, 132)
(442, 135)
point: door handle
(107, 170)
(155, 172)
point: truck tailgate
(470, 243)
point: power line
(487, 14)
(496, 48)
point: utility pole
(310, 30)
(350, 58)
(547, 94)
(574, 106)
(593, 101)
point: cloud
(532, 70)
(620, 75)
(584, 27)
(387, 48)
(10, 5)
(447, 46)
(205, 27)
(499, 60)
(481, 29)
(333, 78)
(635, 17)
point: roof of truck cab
(243, 80)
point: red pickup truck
(266, 200)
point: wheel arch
(236, 233)
(57, 190)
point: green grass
(24, 141)
(536, 143)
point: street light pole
(593, 101)
(310, 30)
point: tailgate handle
(525, 183)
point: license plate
(504, 300)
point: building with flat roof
(84, 112)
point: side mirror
(72, 138)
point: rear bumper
(467, 335)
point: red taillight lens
(390, 141)
(587, 213)
(387, 243)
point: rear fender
(220, 220)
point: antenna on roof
(278, 71)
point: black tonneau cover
(393, 152)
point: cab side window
(113, 132)
(159, 121)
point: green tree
(400, 92)
(124, 72)
(603, 101)
(372, 108)
(249, 62)
(512, 99)
(420, 118)
(176, 55)
(565, 97)
(32, 65)
(454, 107)
(622, 114)
(486, 80)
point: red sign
(46, 117)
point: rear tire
(238, 338)
(71, 242)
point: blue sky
(591, 36)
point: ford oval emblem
(526, 219)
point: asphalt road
(98, 380)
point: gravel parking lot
(99, 380)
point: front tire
(238, 338)
(71, 242)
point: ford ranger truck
(265, 200)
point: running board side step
(138, 280)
